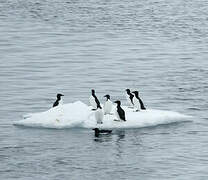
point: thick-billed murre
(107, 105)
(101, 131)
(138, 104)
(129, 98)
(58, 100)
(94, 102)
(119, 112)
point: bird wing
(55, 103)
(131, 98)
(97, 101)
(141, 104)
(122, 114)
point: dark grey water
(158, 47)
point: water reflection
(119, 145)
(120, 135)
(103, 138)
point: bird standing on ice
(119, 112)
(108, 105)
(129, 98)
(58, 100)
(138, 104)
(94, 102)
(99, 115)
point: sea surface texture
(71, 46)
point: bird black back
(121, 113)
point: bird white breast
(61, 102)
(128, 100)
(108, 107)
(99, 116)
(136, 103)
(92, 102)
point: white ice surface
(78, 114)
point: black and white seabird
(129, 97)
(102, 131)
(108, 105)
(94, 102)
(99, 115)
(119, 112)
(58, 100)
(138, 104)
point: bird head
(93, 91)
(107, 96)
(136, 93)
(128, 91)
(96, 130)
(59, 95)
(118, 102)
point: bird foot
(100, 123)
(136, 110)
(108, 114)
(130, 107)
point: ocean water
(66, 46)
